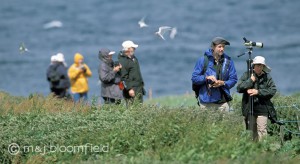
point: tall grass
(174, 132)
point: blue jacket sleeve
(232, 80)
(197, 77)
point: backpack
(53, 75)
(196, 87)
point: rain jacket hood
(104, 56)
(77, 58)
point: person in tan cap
(213, 76)
(78, 74)
(261, 87)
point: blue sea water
(166, 65)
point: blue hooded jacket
(227, 74)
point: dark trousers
(108, 100)
(59, 93)
(138, 99)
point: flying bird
(162, 30)
(173, 32)
(23, 48)
(142, 23)
(53, 24)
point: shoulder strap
(195, 87)
(205, 65)
(225, 69)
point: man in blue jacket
(215, 75)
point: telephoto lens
(255, 44)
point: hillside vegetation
(38, 129)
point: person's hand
(252, 92)
(117, 68)
(253, 77)
(131, 93)
(218, 83)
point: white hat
(111, 52)
(60, 57)
(128, 44)
(261, 60)
(53, 58)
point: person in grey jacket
(109, 75)
(261, 87)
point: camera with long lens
(210, 82)
(253, 44)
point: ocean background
(166, 65)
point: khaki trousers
(224, 107)
(259, 126)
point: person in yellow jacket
(78, 74)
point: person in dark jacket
(57, 76)
(110, 77)
(217, 80)
(131, 74)
(262, 88)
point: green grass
(174, 101)
(163, 130)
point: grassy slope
(164, 130)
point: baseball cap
(220, 40)
(128, 44)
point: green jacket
(130, 72)
(266, 90)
